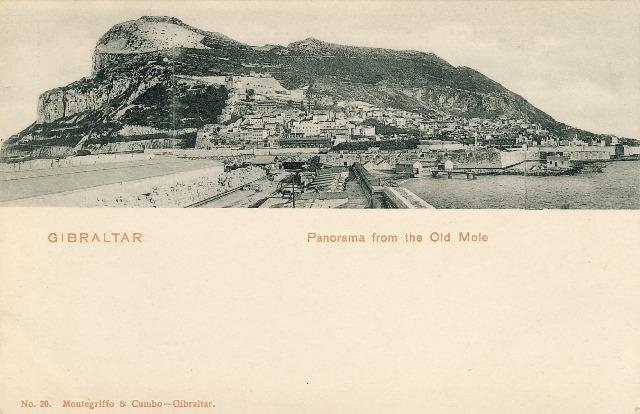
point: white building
(305, 128)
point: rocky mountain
(150, 76)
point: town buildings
(260, 113)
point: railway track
(224, 193)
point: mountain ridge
(148, 54)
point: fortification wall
(175, 190)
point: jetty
(470, 173)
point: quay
(384, 196)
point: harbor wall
(43, 164)
(230, 152)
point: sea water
(616, 187)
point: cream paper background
(576, 60)
(235, 306)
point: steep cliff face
(118, 108)
(86, 95)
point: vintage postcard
(169, 111)
(506, 135)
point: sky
(578, 61)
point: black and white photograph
(445, 105)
